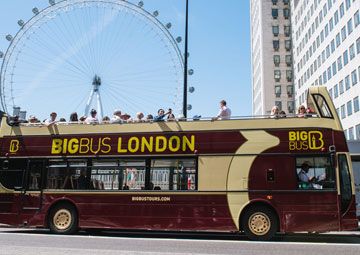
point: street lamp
(185, 106)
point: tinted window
(12, 172)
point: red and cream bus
(238, 175)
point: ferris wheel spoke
(140, 88)
(63, 57)
(81, 58)
(73, 48)
(119, 97)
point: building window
(342, 10)
(288, 45)
(348, 4)
(343, 33)
(356, 105)
(354, 78)
(286, 13)
(276, 45)
(275, 30)
(275, 13)
(290, 90)
(324, 77)
(345, 57)
(342, 112)
(287, 31)
(334, 69)
(339, 62)
(326, 30)
(332, 45)
(352, 51)
(277, 75)
(336, 91)
(288, 60)
(278, 90)
(329, 74)
(346, 134)
(351, 133)
(291, 106)
(331, 24)
(357, 129)
(289, 75)
(349, 108)
(331, 93)
(278, 104)
(274, 2)
(336, 17)
(357, 18)
(358, 45)
(328, 51)
(338, 40)
(350, 26)
(286, 2)
(341, 87)
(277, 60)
(347, 82)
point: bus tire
(63, 219)
(259, 223)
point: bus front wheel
(259, 223)
(63, 219)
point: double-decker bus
(259, 176)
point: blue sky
(219, 46)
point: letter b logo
(14, 146)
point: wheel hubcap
(62, 219)
(259, 223)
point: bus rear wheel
(63, 219)
(259, 223)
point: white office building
(271, 50)
(326, 40)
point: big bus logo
(14, 146)
(305, 140)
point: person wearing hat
(304, 173)
(52, 120)
(116, 118)
(92, 119)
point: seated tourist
(224, 112)
(139, 117)
(275, 112)
(301, 111)
(116, 118)
(74, 117)
(52, 120)
(161, 115)
(92, 119)
(149, 118)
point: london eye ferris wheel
(104, 54)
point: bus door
(346, 198)
(32, 194)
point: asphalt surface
(41, 242)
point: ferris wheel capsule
(52, 2)
(189, 107)
(141, 4)
(21, 23)
(179, 39)
(1, 54)
(156, 13)
(191, 90)
(191, 72)
(9, 38)
(168, 25)
(35, 11)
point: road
(41, 242)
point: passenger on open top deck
(52, 120)
(92, 119)
(224, 112)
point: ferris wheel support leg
(99, 104)
(87, 107)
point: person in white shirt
(52, 120)
(224, 112)
(92, 119)
(116, 118)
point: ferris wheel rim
(42, 14)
